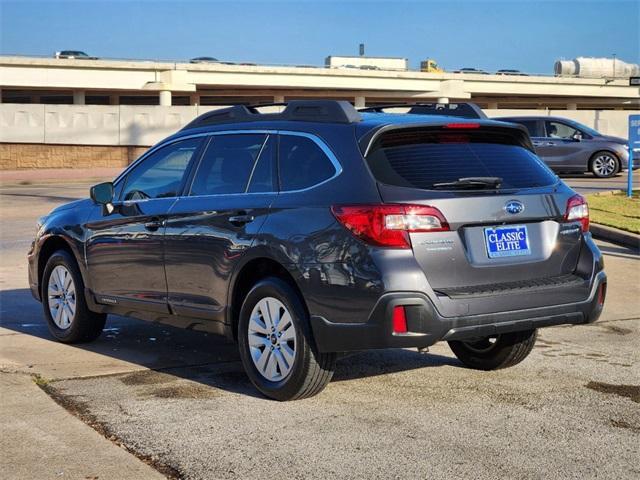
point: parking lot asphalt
(587, 183)
(180, 400)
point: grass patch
(617, 210)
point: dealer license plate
(509, 241)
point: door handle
(241, 219)
(154, 224)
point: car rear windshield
(421, 158)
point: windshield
(424, 159)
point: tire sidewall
(604, 152)
(66, 260)
(289, 386)
(496, 356)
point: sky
(525, 35)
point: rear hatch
(505, 210)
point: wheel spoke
(285, 321)
(59, 311)
(282, 363)
(256, 324)
(287, 353)
(265, 309)
(288, 334)
(67, 280)
(258, 341)
(262, 360)
(272, 363)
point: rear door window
(302, 163)
(420, 158)
(227, 164)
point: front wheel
(276, 347)
(604, 164)
(495, 352)
(65, 308)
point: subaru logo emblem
(514, 207)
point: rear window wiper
(471, 183)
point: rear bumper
(426, 326)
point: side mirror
(102, 194)
(577, 136)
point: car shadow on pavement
(201, 357)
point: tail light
(389, 225)
(399, 320)
(602, 293)
(578, 210)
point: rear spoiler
(518, 133)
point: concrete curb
(615, 235)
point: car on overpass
(74, 55)
(568, 146)
(322, 230)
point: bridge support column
(165, 98)
(78, 97)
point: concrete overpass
(114, 82)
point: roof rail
(463, 110)
(326, 111)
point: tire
(604, 164)
(281, 359)
(65, 309)
(505, 351)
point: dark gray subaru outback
(322, 230)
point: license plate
(508, 241)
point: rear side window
(227, 164)
(421, 158)
(530, 125)
(302, 163)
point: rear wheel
(604, 164)
(65, 308)
(495, 352)
(276, 347)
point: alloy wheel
(604, 165)
(61, 297)
(272, 339)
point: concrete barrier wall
(124, 125)
(131, 125)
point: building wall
(21, 156)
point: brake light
(578, 210)
(462, 125)
(399, 320)
(389, 225)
